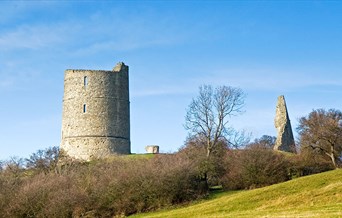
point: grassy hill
(317, 195)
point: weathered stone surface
(285, 140)
(96, 120)
(152, 149)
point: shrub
(43, 160)
(45, 196)
(254, 167)
(307, 163)
(209, 169)
(103, 188)
(144, 185)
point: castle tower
(96, 121)
(285, 140)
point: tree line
(214, 155)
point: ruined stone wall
(152, 149)
(285, 140)
(96, 120)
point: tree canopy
(321, 131)
(208, 114)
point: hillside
(317, 195)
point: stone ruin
(285, 140)
(96, 114)
(152, 149)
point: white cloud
(270, 79)
(91, 35)
(32, 37)
(115, 34)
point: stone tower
(285, 140)
(96, 120)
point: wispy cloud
(111, 33)
(96, 33)
(270, 79)
(17, 73)
(35, 37)
(72, 36)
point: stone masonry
(285, 140)
(152, 149)
(96, 114)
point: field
(317, 195)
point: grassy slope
(138, 156)
(317, 195)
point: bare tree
(265, 141)
(208, 114)
(14, 166)
(44, 160)
(322, 131)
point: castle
(96, 114)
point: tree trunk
(333, 160)
(208, 148)
(332, 156)
(208, 152)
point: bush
(43, 160)
(307, 163)
(121, 186)
(209, 169)
(106, 188)
(144, 185)
(254, 167)
(45, 196)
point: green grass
(130, 157)
(317, 195)
(138, 156)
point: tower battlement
(96, 117)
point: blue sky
(172, 47)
